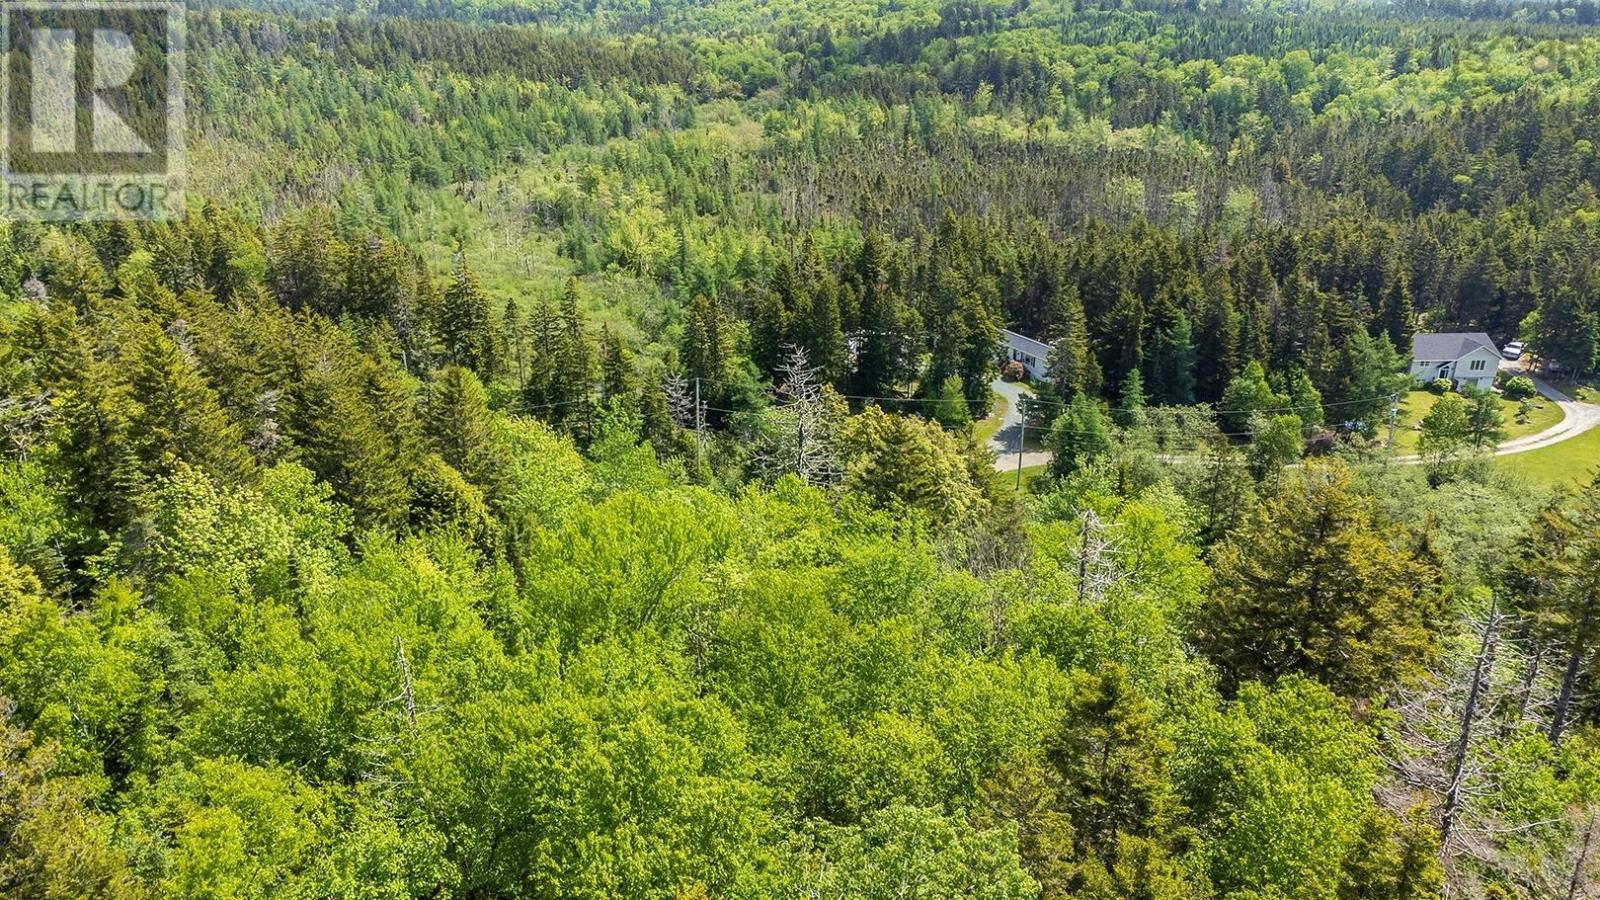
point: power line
(1196, 407)
(1058, 403)
(554, 405)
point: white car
(1514, 350)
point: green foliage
(309, 590)
(1520, 387)
(1485, 422)
(1077, 437)
(708, 348)
(283, 531)
(1276, 442)
(1446, 431)
(1114, 788)
(51, 843)
(1316, 584)
(909, 852)
(461, 429)
(1249, 395)
(176, 418)
(952, 411)
(1291, 776)
(441, 498)
(1566, 330)
(561, 362)
(467, 331)
(898, 462)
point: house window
(1477, 365)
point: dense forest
(554, 456)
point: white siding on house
(1475, 369)
(1034, 355)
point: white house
(1034, 355)
(1467, 360)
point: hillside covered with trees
(548, 459)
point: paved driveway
(1580, 417)
(1008, 440)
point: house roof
(1453, 345)
(1023, 342)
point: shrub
(1520, 388)
(1439, 386)
(1011, 370)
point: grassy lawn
(1416, 404)
(1569, 462)
(985, 429)
(1030, 474)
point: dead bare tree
(407, 694)
(1482, 670)
(1449, 751)
(799, 438)
(23, 421)
(1100, 568)
(681, 401)
(685, 405)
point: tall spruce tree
(618, 380)
(92, 410)
(1111, 758)
(575, 357)
(769, 332)
(817, 329)
(1172, 363)
(1217, 341)
(1566, 331)
(175, 416)
(1317, 583)
(460, 428)
(1073, 367)
(708, 348)
(466, 325)
(1077, 437)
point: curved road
(1579, 418)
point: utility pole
(699, 418)
(1394, 417)
(1022, 437)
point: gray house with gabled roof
(1466, 359)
